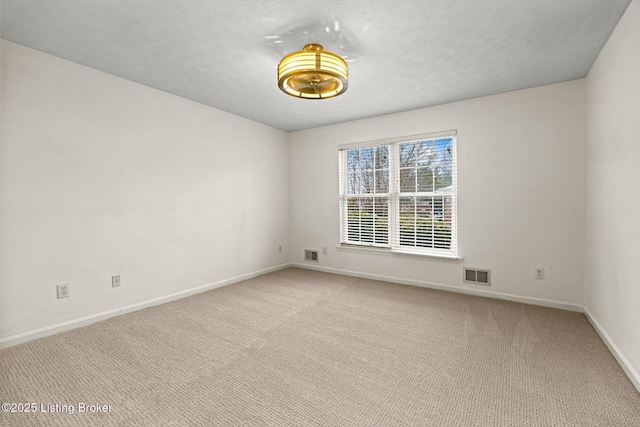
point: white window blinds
(400, 195)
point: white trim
(394, 195)
(94, 318)
(408, 138)
(387, 251)
(24, 337)
(615, 351)
(451, 288)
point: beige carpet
(298, 348)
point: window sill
(394, 252)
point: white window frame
(394, 195)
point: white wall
(521, 191)
(103, 176)
(612, 284)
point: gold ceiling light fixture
(313, 73)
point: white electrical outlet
(115, 281)
(280, 249)
(324, 250)
(539, 273)
(63, 291)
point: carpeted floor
(299, 348)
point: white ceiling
(405, 54)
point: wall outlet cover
(62, 291)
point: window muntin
(401, 195)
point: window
(400, 195)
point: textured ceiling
(402, 54)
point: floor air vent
(477, 277)
(310, 255)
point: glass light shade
(313, 73)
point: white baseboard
(87, 320)
(94, 318)
(622, 361)
(451, 288)
(634, 377)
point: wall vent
(310, 255)
(476, 276)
